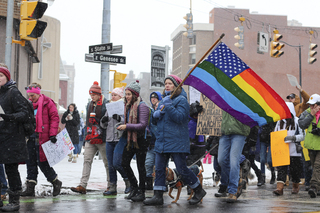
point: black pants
(253, 165)
(140, 158)
(295, 170)
(13, 175)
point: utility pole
(104, 79)
(9, 27)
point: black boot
(1, 203)
(261, 180)
(139, 197)
(189, 190)
(31, 184)
(56, 187)
(157, 199)
(149, 183)
(273, 178)
(222, 192)
(14, 201)
(199, 193)
(134, 191)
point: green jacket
(231, 126)
(311, 141)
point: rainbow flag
(234, 87)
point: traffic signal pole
(104, 79)
(9, 28)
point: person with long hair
(173, 140)
(47, 124)
(13, 149)
(136, 114)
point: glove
(7, 117)
(290, 139)
(116, 117)
(53, 139)
(158, 114)
(316, 131)
(167, 101)
(105, 119)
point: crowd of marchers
(152, 136)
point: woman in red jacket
(47, 123)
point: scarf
(94, 131)
(133, 119)
(39, 106)
(317, 116)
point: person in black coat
(72, 119)
(13, 147)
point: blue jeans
(265, 157)
(188, 177)
(76, 149)
(229, 153)
(33, 162)
(150, 161)
(216, 165)
(114, 152)
(3, 180)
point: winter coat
(13, 148)
(111, 135)
(142, 122)
(264, 132)
(311, 141)
(213, 141)
(300, 107)
(251, 142)
(50, 119)
(72, 125)
(172, 135)
(231, 126)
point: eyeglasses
(30, 88)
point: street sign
(109, 58)
(100, 48)
(116, 49)
(89, 58)
(263, 41)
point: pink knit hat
(118, 91)
(175, 79)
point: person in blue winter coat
(155, 97)
(173, 140)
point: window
(192, 58)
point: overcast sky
(139, 24)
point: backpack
(29, 125)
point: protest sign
(55, 152)
(293, 80)
(194, 95)
(209, 121)
(280, 153)
(115, 108)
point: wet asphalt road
(254, 200)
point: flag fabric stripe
(200, 79)
(226, 80)
(243, 79)
(234, 89)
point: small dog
(174, 181)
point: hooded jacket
(72, 125)
(311, 141)
(300, 107)
(172, 135)
(13, 148)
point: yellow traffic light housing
(188, 25)
(276, 46)
(239, 37)
(30, 28)
(312, 53)
(117, 78)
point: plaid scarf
(133, 119)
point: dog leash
(203, 155)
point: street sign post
(102, 58)
(100, 48)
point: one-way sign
(100, 48)
(109, 58)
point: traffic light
(312, 53)
(188, 25)
(117, 78)
(240, 43)
(276, 46)
(30, 28)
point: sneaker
(79, 189)
(74, 159)
(231, 198)
(222, 192)
(312, 192)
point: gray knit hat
(134, 87)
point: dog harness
(176, 181)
